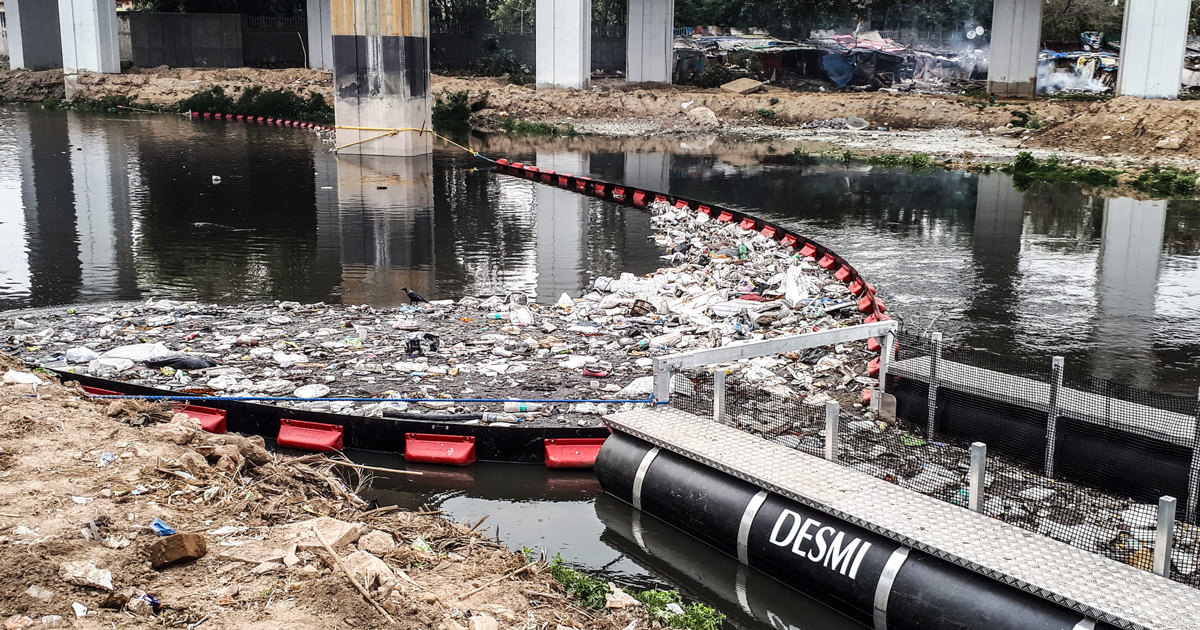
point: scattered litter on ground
(231, 546)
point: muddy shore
(1115, 132)
(84, 482)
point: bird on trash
(413, 297)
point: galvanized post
(832, 410)
(885, 363)
(1165, 536)
(977, 476)
(1193, 502)
(934, 359)
(1056, 377)
(719, 395)
(662, 381)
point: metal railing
(667, 366)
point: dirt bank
(83, 480)
(1117, 130)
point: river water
(97, 208)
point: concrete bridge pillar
(648, 53)
(88, 30)
(33, 39)
(1016, 40)
(1152, 44)
(564, 44)
(381, 75)
(320, 34)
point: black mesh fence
(1084, 462)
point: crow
(413, 298)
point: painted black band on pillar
(380, 65)
(819, 554)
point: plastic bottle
(518, 407)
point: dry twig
(336, 562)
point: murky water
(567, 512)
(106, 207)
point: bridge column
(88, 30)
(381, 75)
(1152, 44)
(648, 53)
(320, 35)
(1016, 40)
(564, 44)
(33, 39)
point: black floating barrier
(517, 444)
(876, 580)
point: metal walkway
(1092, 585)
(1101, 410)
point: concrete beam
(1016, 40)
(88, 30)
(320, 34)
(564, 44)
(381, 75)
(1152, 44)
(33, 38)
(648, 53)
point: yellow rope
(391, 131)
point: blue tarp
(839, 68)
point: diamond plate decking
(1113, 412)
(1095, 586)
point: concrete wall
(185, 40)
(1152, 44)
(3, 35)
(1016, 40)
(462, 50)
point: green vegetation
(51, 103)
(765, 114)
(915, 161)
(518, 127)
(695, 616)
(1027, 170)
(715, 75)
(1026, 118)
(662, 607)
(452, 110)
(255, 101)
(774, 101)
(497, 62)
(586, 590)
(1166, 181)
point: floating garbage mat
(719, 284)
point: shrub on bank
(255, 101)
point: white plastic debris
(13, 377)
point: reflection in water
(751, 599)
(1130, 252)
(566, 511)
(101, 207)
(387, 225)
